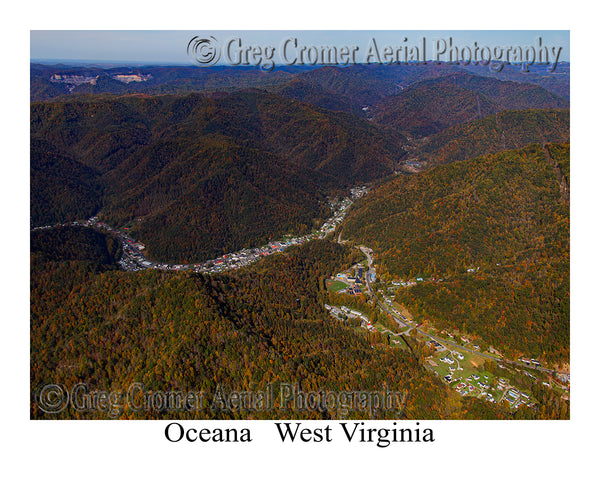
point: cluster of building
(343, 312)
(245, 256)
(488, 396)
(133, 258)
(65, 224)
(354, 279)
(436, 345)
(517, 398)
(531, 362)
(464, 388)
(448, 358)
(354, 290)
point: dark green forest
(77, 243)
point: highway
(398, 317)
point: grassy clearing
(335, 285)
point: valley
(337, 228)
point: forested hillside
(61, 188)
(80, 244)
(491, 238)
(423, 109)
(510, 95)
(260, 164)
(240, 331)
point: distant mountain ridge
(349, 88)
(429, 106)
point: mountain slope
(243, 331)
(506, 130)
(354, 88)
(504, 216)
(301, 89)
(557, 82)
(74, 244)
(424, 109)
(201, 175)
(62, 189)
(508, 95)
(214, 197)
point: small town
(133, 258)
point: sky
(170, 46)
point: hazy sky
(169, 46)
